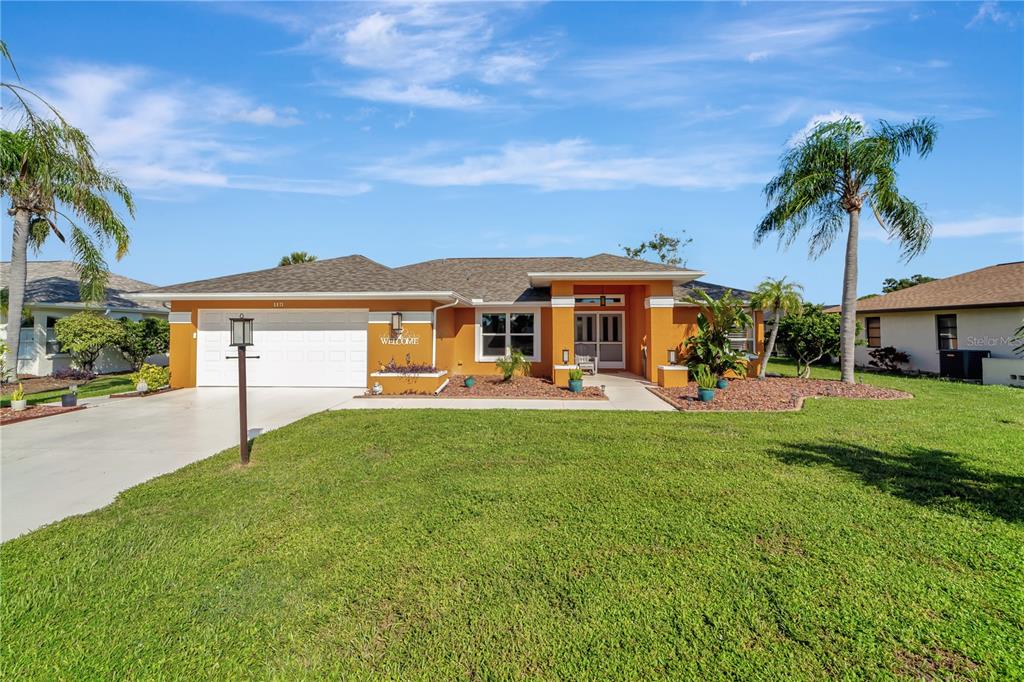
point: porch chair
(587, 363)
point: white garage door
(290, 348)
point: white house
(52, 293)
(943, 324)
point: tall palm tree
(828, 177)
(296, 257)
(780, 297)
(48, 173)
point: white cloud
(834, 115)
(990, 12)
(393, 92)
(161, 134)
(983, 225)
(575, 164)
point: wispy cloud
(978, 226)
(990, 12)
(158, 133)
(577, 164)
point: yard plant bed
(9, 416)
(854, 539)
(48, 389)
(520, 387)
(771, 395)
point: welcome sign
(400, 340)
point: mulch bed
(520, 387)
(39, 384)
(9, 416)
(770, 395)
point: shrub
(6, 373)
(575, 374)
(73, 374)
(154, 376)
(409, 367)
(19, 392)
(715, 322)
(512, 364)
(809, 336)
(141, 338)
(85, 334)
(888, 359)
(704, 377)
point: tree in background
(827, 178)
(296, 257)
(666, 248)
(891, 284)
(48, 173)
(140, 339)
(809, 336)
(780, 297)
(85, 334)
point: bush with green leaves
(888, 359)
(810, 336)
(705, 378)
(6, 373)
(576, 374)
(142, 338)
(718, 319)
(154, 376)
(512, 364)
(85, 334)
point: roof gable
(56, 282)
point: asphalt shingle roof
(995, 285)
(56, 281)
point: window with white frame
(600, 300)
(503, 331)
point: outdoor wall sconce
(565, 356)
(396, 323)
(241, 338)
(673, 356)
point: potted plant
(18, 401)
(706, 383)
(70, 399)
(576, 380)
(722, 383)
(469, 382)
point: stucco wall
(916, 334)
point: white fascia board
(92, 306)
(659, 302)
(296, 296)
(480, 303)
(677, 276)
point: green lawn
(852, 539)
(104, 385)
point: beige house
(960, 324)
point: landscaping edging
(147, 394)
(773, 395)
(35, 412)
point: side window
(946, 328)
(873, 326)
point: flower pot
(723, 383)
(470, 382)
(576, 385)
(706, 395)
(68, 400)
(19, 405)
(142, 387)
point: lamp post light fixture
(565, 356)
(396, 323)
(673, 356)
(241, 338)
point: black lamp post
(241, 338)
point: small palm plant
(296, 257)
(512, 364)
(829, 177)
(780, 297)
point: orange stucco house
(339, 322)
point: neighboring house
(939, 323)
(336, 322)
(52, 293)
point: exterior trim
(408, 316)
(673, 368)
(563, 301)
(420, 375)
(883, 311)
(295, 295)
(680, 276)
(659, 302)
(538, 338)
(180, 318)
(565, 367)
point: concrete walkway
(625, 392)
(74, 463)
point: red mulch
(38, 384)
(9, 416)
(519, 387)
(768, 395)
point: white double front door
(602, 335)
(290, 348)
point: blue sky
(408, 132)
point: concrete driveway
(55, 467)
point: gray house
(52, 293)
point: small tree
(809, 336)
(891, 284)
(666, 248)
(141, 338)
(296, 257)
(718, 319)
(85, 334)
(780, 298)
(512, 364)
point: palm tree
(780, 297)
(296, 257)
(48, 172)
(830, 175)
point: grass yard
(852, 539)
(103, 385)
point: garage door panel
(290, 348)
